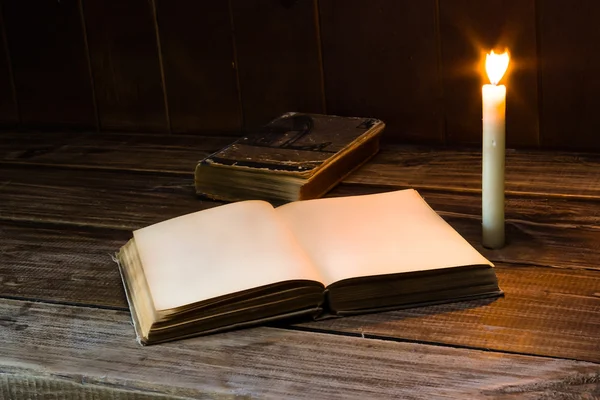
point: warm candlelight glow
(495, 66)
(494, 130)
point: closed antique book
(294, 157)
(247, 263)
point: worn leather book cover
(297, 156)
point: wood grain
(110, 199)
(545, 311)
(528, 173)
(559, 212)
(380, 60)
(556, 226)
(536, 244)
(50, 66)
(125, 65)
(61, 264)
(70, 200)
(74, 344)
(21, 384)
(278, 58)
(200, 76)
(9, 115)
(469, 29)
(174, 154)
(569, 65)
(97, 198)
(556, 310)
(528, 243)
(23, 145)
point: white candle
(494, 109)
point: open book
(247, 263)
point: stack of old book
(295, 157)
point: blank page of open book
(215, 252)
(383, 233)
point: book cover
(297, 156)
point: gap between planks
(60, 342)
(557, 174)
(374, 336)
(554, 309)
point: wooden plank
(57, 196)
(51, 70)
(469, 29)
(554, 214)
(556, 309)
(9, 115)
(61, 264)
(528, 173)
(200, 76)
(85, 347)
(21, 384)
(278, 58)
(536, 244)
(550, 219)
(175, 154)
(380, 60)
(111, 199)
(24, 145)
(17, 234)
(545, 311)
(569, 65)
(559, 212)
(126, 65)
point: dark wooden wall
(218, 67)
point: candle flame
(495, 66)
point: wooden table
(70, 200)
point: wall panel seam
(161, 65)
(236, 66)
(538, 48)
(89, 65)
(440, 84)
